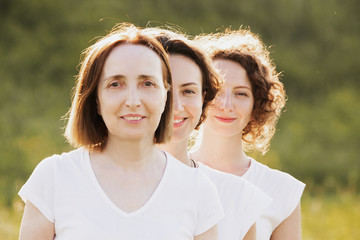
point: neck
(178, 149)
(222, 153)
(131, 154)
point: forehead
(132, 58)
(232, 73)
(184, 69)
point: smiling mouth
(225, 119)
(133, 119)
(179, 122)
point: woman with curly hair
(242, 118)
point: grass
(10, 219)
(330, 217)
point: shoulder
(74, 155)
(282, 187)
(264, 177)
(235, 187)
(178, 168)
(59, 161)
(193, 178)
(222, 179)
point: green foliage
(317, 142)
(314, 43)
(331, 217)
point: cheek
(210, 108)
(100, 105)
(158, 100)
(198, 108)
(107, 101)
(246, 109)
(194, 105)
(214, 104)
(196, 112)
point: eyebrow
(243, 87)
(117, 77)
(144, 76)
(122, 77)
(189, 83)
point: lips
(133, 118)
(178, 122)
(225, 119)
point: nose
(178, 106)
(133, 98)
(224, 101)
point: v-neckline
(110, 203)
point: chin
(228, 134)
(225, 132)
(132, 136)
(179, 136)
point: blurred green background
(316, 44)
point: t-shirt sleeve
(256, 202)
(295, 189)
(210, 210)
(39, 188)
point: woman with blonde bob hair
(242, 118)
(117, 184)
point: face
(131, 92)
(187, 95)
(231, 110)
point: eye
(115, 84)
(148, 83)
(241, 94)
(188, 92)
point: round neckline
(249, 168)
(251, 163)
(110, 203)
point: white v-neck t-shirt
(285, 190)
(242, 201)
(66, 191)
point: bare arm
(34, 225)
(290, 228)
(251, 234)
(210, 234)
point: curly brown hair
(174, 42)
(246, 48)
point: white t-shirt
(66, 191)
(242, 201)
(285, 190)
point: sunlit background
(314, 43)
